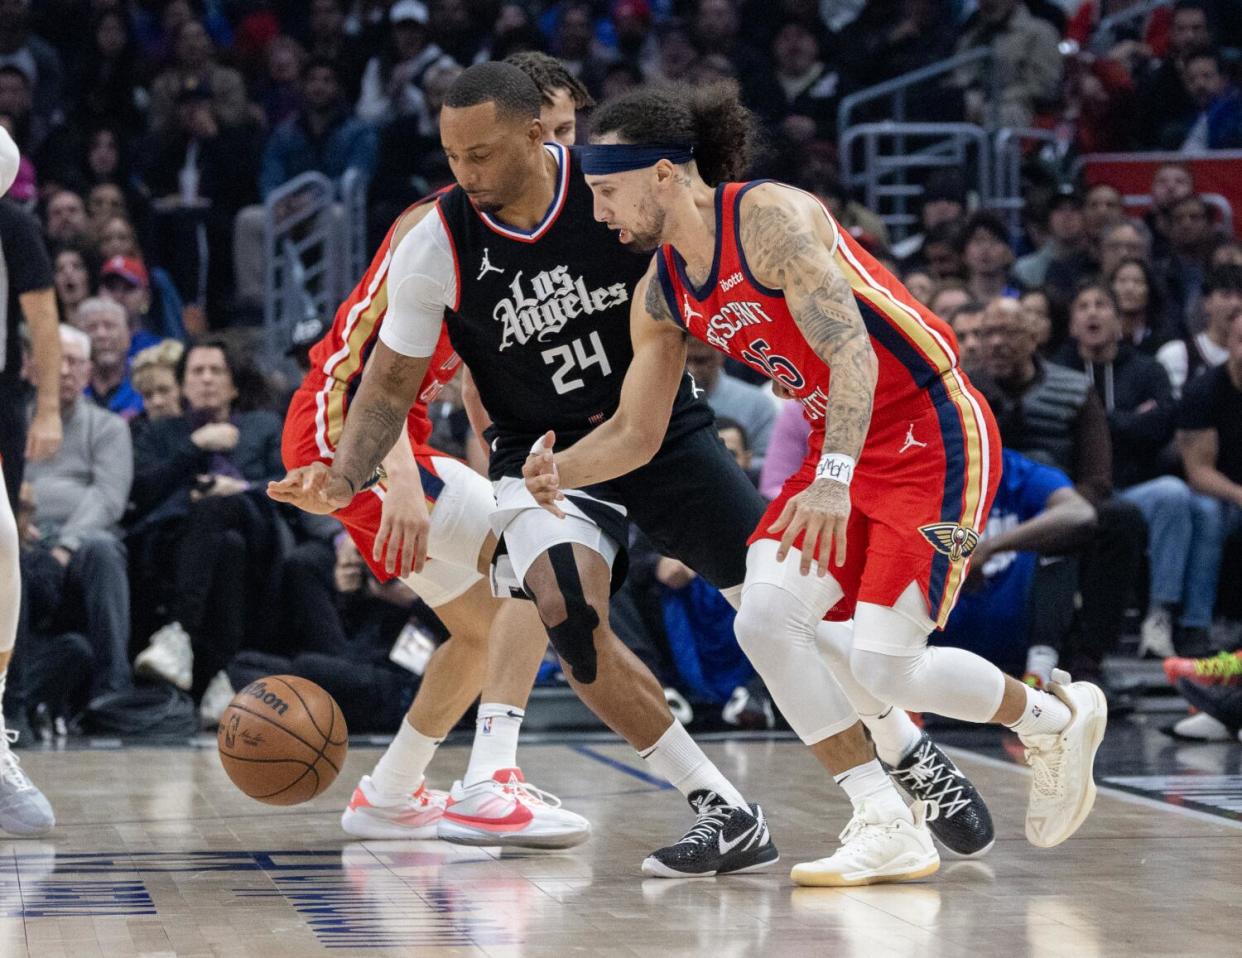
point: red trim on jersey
(452, 249)
(549, 218)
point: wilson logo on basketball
(273, 701)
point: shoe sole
(954, 853)
(654, 868)
(808, 879)
(360, 825)
(456, 834)
(1091, 744)
(148, 670)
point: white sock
(870, 783)
(894, 733)
(1044, 714)
(676, 758)
(495, 741)
(400, 769)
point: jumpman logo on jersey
(911, 441)
(486, 266)
(688, 311)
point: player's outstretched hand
(820, 513)
(405, 527)
(312, 488)
(539, 471)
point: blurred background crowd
(1101, 319)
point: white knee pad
(892, 660)
(776, 629)
(10, 580)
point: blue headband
(623, 157)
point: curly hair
(710, 118)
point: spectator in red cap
(124, 280)
(117, 238)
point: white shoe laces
(532, 794)
(709, 821)
(10, 767)
(936, 781)
(861, 834)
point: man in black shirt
(1209, 437)
(1209, 434)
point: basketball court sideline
(155, 853)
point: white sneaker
(168, 657)
(417, 816)
(24, 810)
(1156, 635)
(875, 849)
(1201, 727)
(506, 810)
(1062, 788)
(216, 699)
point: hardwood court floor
(157, 854)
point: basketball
(282, 740)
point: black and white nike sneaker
(724, 839)
(964, 825)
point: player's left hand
(405, 527)
(820, 513)
(43, 439)
(539, 471)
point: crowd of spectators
(153, 130)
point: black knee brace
(573, 639)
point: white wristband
(836, 466)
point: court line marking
(1111, 791)
(620, 766)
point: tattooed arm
(634, 433)
(788, 241)
(375, 422)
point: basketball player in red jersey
(427, 522)
(903, 452)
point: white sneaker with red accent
(417, 816)
(506, 810)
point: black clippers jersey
(543, 320)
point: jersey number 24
(573, 357)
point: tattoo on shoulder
(655, 302)
(781, 246)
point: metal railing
(354, 199)
(300, 259)
(890, 169)
(895, 90)
(314, 249)
(1008, 145)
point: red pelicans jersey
(931, 433)
(338, 359)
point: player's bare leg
(24, 810)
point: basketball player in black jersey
(536, 297)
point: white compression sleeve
(776, 629)
(422, 284)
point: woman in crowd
(75, 276)
(153, 372)
(205, 533)
(1140, 305)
